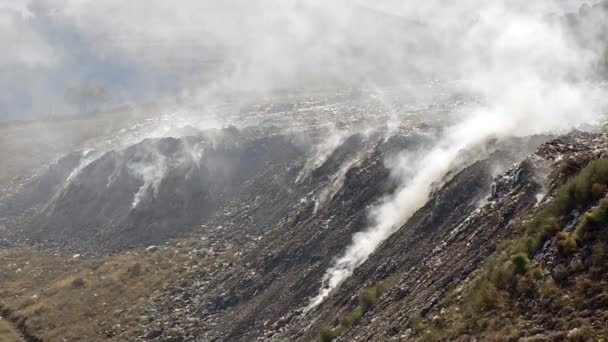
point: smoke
(151, 175)
(87, 158)
(336, 182)
(191, 58)
(529, 73)
(152, 50)
(323, 150)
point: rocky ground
(260, 292)
(226, 234)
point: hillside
(348, 171)
(231, 280)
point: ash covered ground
(128, 177)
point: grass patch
(71, 282)
(328, 334)
(567, 243)
(598, 254)
(548, 289)
(7, 332)
(424, 331)
(510, 276)
(510, 270)
(521, 262)
(368, 297)
(593, 219)
(78, 299)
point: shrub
(529, 244)
(548, 289)
(73, 282)
(560, 273)
(598, 190)
(36, 309)
(551, 225)
(580, 187)
(566, 243)
(525, 285)
(521, 262)
(594, 218)
(538, 273)
(484, 296)
(382, 288)
(510, 269)
(352, 318)
(417, 323)
(501, 276)
(424, 331)
(78, 282)
(598, 253)
(328, 334)
(135, 270)
(577, 193)
(367, 298)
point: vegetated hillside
(499, 272)
(549, 281)
(229, 281)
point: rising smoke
(528, 72)
(517, 57)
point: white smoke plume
(513, 55)
(335, 184)
(323, 151)
(151, 174)
(522, 66)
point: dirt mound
(148, 192)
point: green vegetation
(577, 194)
(567, 243)
(593, 218)
(490, 303)
(352, 318)
(511, 274)
(560, 273)
(598, 255)
(328, 334)
(548, 289)
(521, 262)
(510, 269)
(8, 333)
(368, 297)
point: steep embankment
(549, 282)
(243, 275)
(49, 293)
(148, 192)
(262, 293)
(423, 263)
